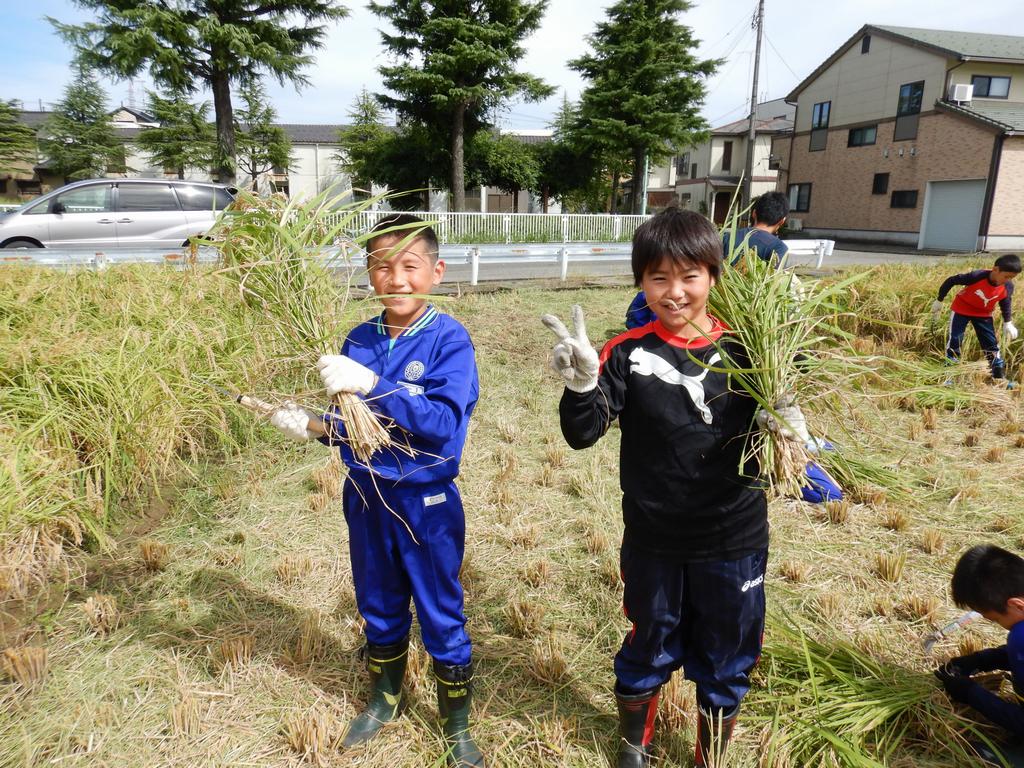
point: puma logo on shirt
(648, 364)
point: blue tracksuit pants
(389, 568)
(706, 617)
(985, 328)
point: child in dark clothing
(974, 304)
(768, 216)
(990, 580)
(695, 543)
(417, 367)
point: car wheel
(20, 244)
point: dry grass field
(222, 630)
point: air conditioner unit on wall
(961, 93)
(795, 224)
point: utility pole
(748, 170)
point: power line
(783, 60)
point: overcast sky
(800, 35)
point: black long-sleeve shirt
(684, 435)
(1009, 657)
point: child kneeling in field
(990, 580)
(695, 543)
(417, 367)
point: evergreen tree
(455, 62)
(79, 140)
(184, 137)
(190, 44)
(17, 140)
(362, 143)
(504, 162)
(262, 146)
(569, 168)
(645, 84)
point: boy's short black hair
(986, 577)
(684, 237)
(409, 223)
(1009, 262)
(771, 208)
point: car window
(43, 206)
(145, 197)
(94, 199)
(197, 198)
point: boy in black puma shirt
(695, 543)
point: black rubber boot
(454, 699)
(636, 727)
(386, 665)
(714, 729)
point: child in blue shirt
(990, 580)
(417, 368)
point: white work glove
(340, 373)
(572, 356)
(293, 421)
(936, 308)
(1011, 331)
(788, 420)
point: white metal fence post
(563, 260)
(616, 227)
(565, 229)
(474, 266)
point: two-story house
(911, 136)
(705, 176)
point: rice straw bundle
(293, 263)
(832, 703)
(792, 340)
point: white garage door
(953, 215)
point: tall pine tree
(645, 84)
(455, 60)
(262, 146)
(362, 142)
(184, 137)
(17, 140)
(79, 140)
(189, 44)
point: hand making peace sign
(573, 358)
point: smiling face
(677, 293)
(403, 278)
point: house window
(880, 184)
(693, 171)
(682, 164)
(684, 200)
(774, 162)
(908, 109)
(862, 137)
(903, 198)
(29, 187)
(819, 126)
(820, 113)
(989, 87)
(726, 156)
(799, 197)
(865, 44)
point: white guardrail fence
(497, 261)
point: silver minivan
(107, 213)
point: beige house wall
(1015, 72)
(1007, 219)
(866, 87)
(947, 147)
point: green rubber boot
(386, 665)
(454, 699)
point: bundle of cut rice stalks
(827, 702)
(796, 350)
(294, 263)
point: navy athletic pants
(389, 568)
(705, 617)
(986, 330)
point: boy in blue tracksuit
(416, 367)
(990, 580)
